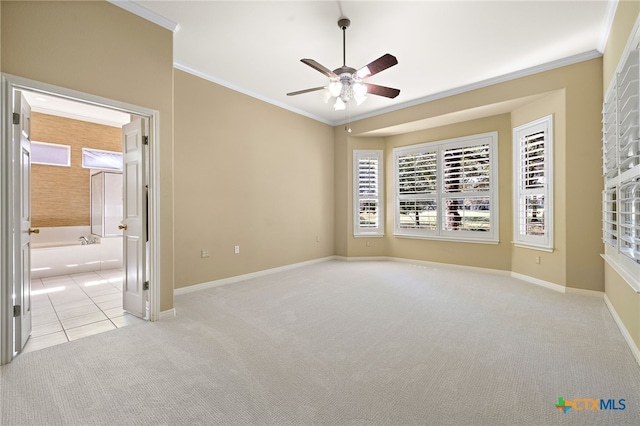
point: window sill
(449, 239)
(633, 282)
(368, 235)
(532, 247)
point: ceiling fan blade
(382, 63)
(316, 66)
(299, 92)
(387, 92)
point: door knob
(122, 227)
(34, 231)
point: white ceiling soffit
(442, 47)
(454, 117)
(76, 110)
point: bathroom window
(99, 159)
(50, 154)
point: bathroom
(65, 153)
(76, 208)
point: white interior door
(134, 218)
(22, 283)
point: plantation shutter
(367, 201)
(417, 177)
(532, 166)
(466, 185)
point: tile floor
(70, 307)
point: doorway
(140, 266)
(76, 208)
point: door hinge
(145, 286)
(16, 118)
(17, 311)
(145, 140)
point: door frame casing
(9, 84)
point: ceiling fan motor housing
(344, 23)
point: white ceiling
(442, 47)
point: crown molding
(143, 12)
(244, 91)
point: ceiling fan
(346, 82)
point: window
(448, 189)
(368, 207)
(50, 154)
(621, 166)
(533, 182)
(98, 159)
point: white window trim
(357, 230)
(84, 150)
(439, 234)
(57, 145)
(546, 241)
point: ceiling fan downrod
(344, 23)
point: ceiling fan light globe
(339, 105)
(334, 88)
(359, 89)
(359, 99)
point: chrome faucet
(83, 240)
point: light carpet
(341, 343)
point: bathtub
(54, 253)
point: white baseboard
(526, 278)
(361, 259)
(170, 313)
(542, 283)
(243, 277)
(557, 287)
(584, 292)
(625, 333)
(449, 266)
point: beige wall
(624, 299)
(98, 48)
(248, 174)
(60, 196)
(342, 192)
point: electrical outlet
(204, 253)
(236, 249)
(537, 260)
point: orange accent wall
(60, 195)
